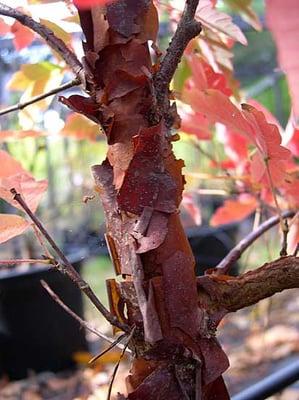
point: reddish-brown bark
(140, 185)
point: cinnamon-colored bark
(222, 292)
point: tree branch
(48, 35)
(20, 106)
(186, 30)
(83, 323)
(234, 293)
(223, 267)
(67, 268)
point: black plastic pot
(36, 334)
(211, 245)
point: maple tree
(168, 315)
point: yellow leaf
(59, 32)
(33, 80)
(18, 81)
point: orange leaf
(80, 127)
(12, 175)
(11, 226)
(23, 35)
(9, 166)
(234, 210)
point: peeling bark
(174, 315)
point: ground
(258, 340)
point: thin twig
(41, 241)
(112, 345)
(20, 106)
(285, 232)
(118, 362)
(224, 266)
(25, 261)
(67, 268)
(48, 35)
(186, 30)
(83, 323)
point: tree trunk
(140, 185)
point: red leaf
(292, 134)
(208, 103)
(204, 77)
(4, 28)
(235, 146)
(23, 35)
(249, 122)
(11, 226)
(283, 21)
(268, 142)
(234, 210)
(268, 115)
(196, 124)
